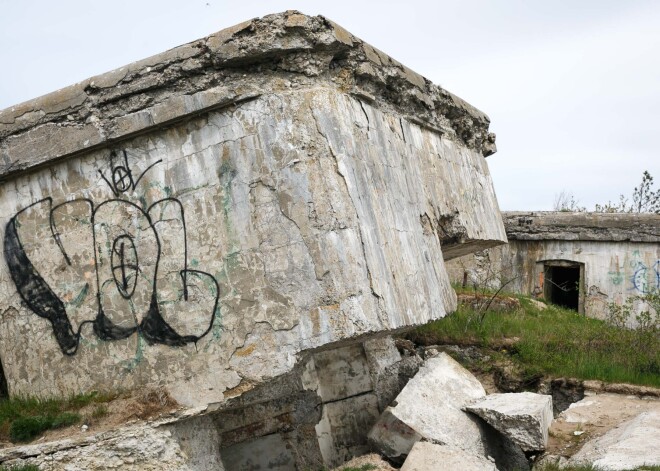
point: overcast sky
(572, 87)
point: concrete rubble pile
(241, 222)
(444, 405)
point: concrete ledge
(283, 50)
(611, 227)
(51, 142)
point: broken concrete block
(426, 456)
(629, 446)
(201, 223)
(523, 417)
(273, 213)
(429, 407)
(381, 353)
(389, 370)
(392, 437)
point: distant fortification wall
(616, 256)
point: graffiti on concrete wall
(646, 279)
(140, 273)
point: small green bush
(24, 429)
(99, 411)
(22, 419)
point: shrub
(24, 429)
(22, 419)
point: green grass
(555, 342)
(23, 419)
(24, 429)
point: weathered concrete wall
(197, 219)
(620, 253)
(315, 416)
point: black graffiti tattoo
(129, 231)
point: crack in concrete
(365, 115)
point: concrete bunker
(562, 283)
(234, 221)
(583, 261)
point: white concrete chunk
(629, 446)
(426, 456)
(523, 417)
(430, 406)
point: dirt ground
(592, 417)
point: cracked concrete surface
(323, 185)
(277, 52)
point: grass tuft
(23, 419)
(24, 429)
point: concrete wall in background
(619, 256)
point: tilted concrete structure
(582, 260)
(206, 219)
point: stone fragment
(629, 446)
(393, 437)
(523, 417)
(429, 407)
(381, 353)
(389, 371)
(170, 444)
(426, 456)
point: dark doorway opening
(562, 285)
